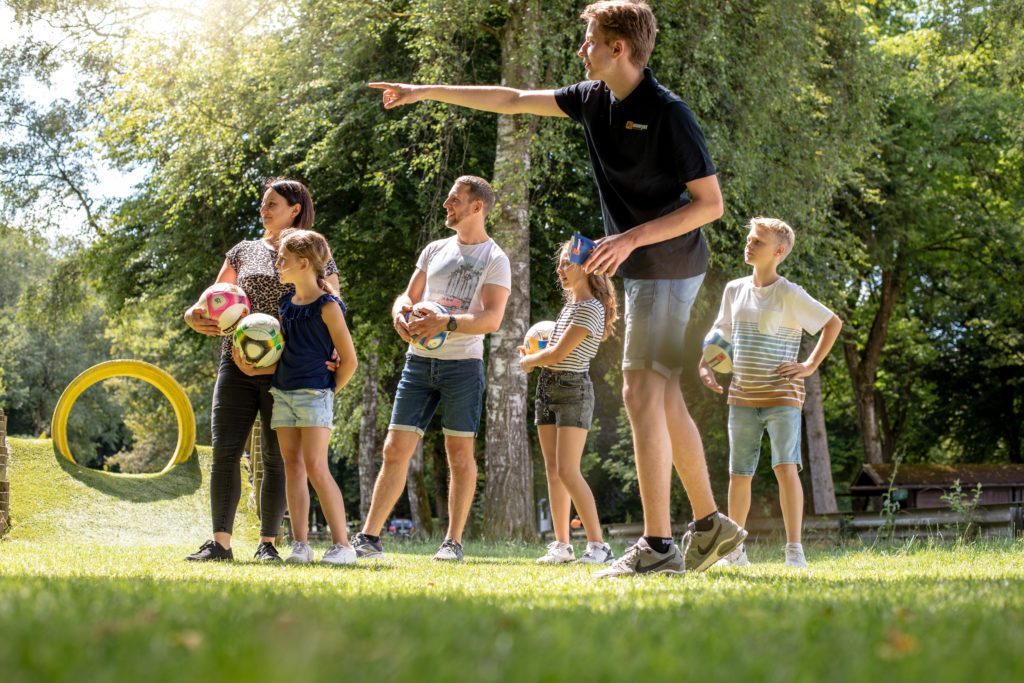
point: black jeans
(237, 398)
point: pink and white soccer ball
(226, 304)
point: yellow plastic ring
(138, 369)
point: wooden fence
(991, 521)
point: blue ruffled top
(307, 345)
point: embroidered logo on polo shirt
(633, 125)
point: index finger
(381, 85)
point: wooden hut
(922, 486)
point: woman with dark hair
(238, 395)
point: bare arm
(829, 334)
(194, 315)
(552, 355)
(342, 339)
(493, 299)
(705, 206)
(492, 98)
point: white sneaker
(737, 558)
(339, 554)
(597, 553)
(795, 556)
(301, 553)
(558, 553)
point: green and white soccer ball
(258, 338)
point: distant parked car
(402, 528)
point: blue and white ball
(437, 341)
(718, 351)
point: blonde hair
(631, 21)
(312, 246)
(779, 229)
(603, 289)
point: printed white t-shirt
(456, 274)
(765, 325)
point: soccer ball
(226, 304)
(435, 342)
(537, 337)
(718, 352)
(258, 338)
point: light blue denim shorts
(748, 425)
(657, 312)
(302, 408)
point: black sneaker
(450, 551)
(211, 551)
(371, 550)
(266, 552)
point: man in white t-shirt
(764, 315)
(470, 276)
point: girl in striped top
(565, 404)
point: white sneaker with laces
(737, 558)
(339, 554)
(597, 553)
(301, 553)
(795, 556)
(558, 553)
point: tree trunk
(369, 443)
(419, 498)
(508, 494)
(863, 366)
(823, 490)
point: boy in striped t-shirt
(765, 315)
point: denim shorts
(302, 408)
(747, 426)
(457, 386)
(564, 399)
(657, 312)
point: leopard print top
(253, 261)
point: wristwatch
(452, 324)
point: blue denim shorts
(748, 425)
(457, 386)
(657, 312)
(302, 408)
(564, 399)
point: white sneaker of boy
(558, 553)
(795, 556)
(597, 553)
(737, 558)
(339, 554)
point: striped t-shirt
(589, 315)
(765, 325)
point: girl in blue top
(313, 324)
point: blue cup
(580, 248)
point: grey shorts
(564, 399)
(657, 312)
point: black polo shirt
(644, 149)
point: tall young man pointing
(657, 187)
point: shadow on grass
(183, 480)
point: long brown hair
(312, 246)
(603, 289)
(294, 193)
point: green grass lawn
(99, 606)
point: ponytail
(603, 289)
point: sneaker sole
(721, 550)
(373, 555)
